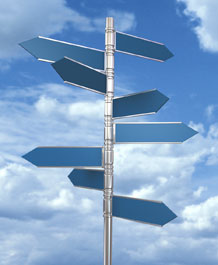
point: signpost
(156, 132)
(141, 47)
(94, 70)
(90, 179)
(145, 211)
(50, 50)
(49, 156)
(73, 72)
(148, 102)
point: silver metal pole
(108, 139)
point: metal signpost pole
(108, 139)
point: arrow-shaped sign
(91, 179)
(142, 103)
(141, 47)
(160, 132)
(50, 50)
(85, 157)
(75, 73)
(145, 211)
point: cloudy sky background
(43, 218)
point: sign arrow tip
(189, 132)
(140, 210)
(28, 45)
(85, 178)
(170, 54)
(171, 216)
(29, 156)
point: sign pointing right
(142, 47)
(145, 211)
(145, 132)
(142, 103)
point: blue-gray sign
(75, 73)
(65, 156)
(164, 132)
(141, 47)
(145, 211)
(50, 50)
(147, 102)
(91, 179)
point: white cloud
(167, 249)
(84, 109)
(209, 111)
(54, 108)
(203, 216)
(46, 105)
(197, 193)
(144, 192)
(79, 111)
(63, 200)
(213, 134)
(204, 12)
(23, 20)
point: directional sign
(77, 74)
(66, 156)
(141, 47)
(145, 211)
(147, 102)
(50, 50)
(91, 179)
(160, 132)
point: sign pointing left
(90, 179)
(78, 74)
(50, 50)
(77, 157)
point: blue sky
(43, 218)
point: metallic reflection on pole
(108, 139)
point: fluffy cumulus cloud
(203, 216)
(45, 220)
(204, 13)
(22, 20)
(47, 106)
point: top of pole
(110, 22)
